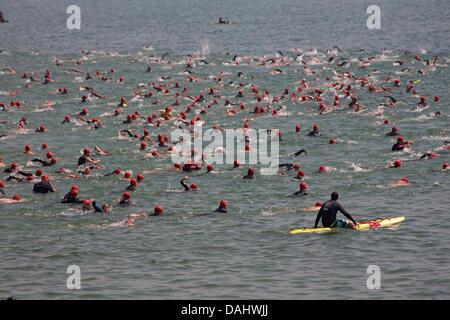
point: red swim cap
(250, 171)
(405, 180)
(30, 178)
(386, 121)
(296, 166)
(400, 139)
(318, 204)
(14, 166)
(210, 167)
(394, 129)
(49, 155)
(39, 172)
(223, 204)
(126, 196)
(300, 173)
(16, 198)
(236, 163)
(422, 98)
(297, 128)
(436, 98)
(127, 175)
(44, 178)
(302, 186)
(27, 148)
(143, 145)
(86, 151)
(316, 127)
(398, 163)
(322, 169)
(133, 182)
(2, 184)
(53, 160)
(445, 165)
(158, 210)
(117, 171)
(332, 141)
(193, 186)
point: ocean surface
(249, 252)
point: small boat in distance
(221, 21)
(2, 18)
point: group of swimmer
(160, 144)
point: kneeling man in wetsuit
(328, 213)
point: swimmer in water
(72, 196)
(222, 207)
(14, 199)
(316, 207)
(86, 158)
(315, 132)
(125, 201)
(2, 186)
(402, 144)
(401, 182)
(44, 186)
(328, 213)
(129, 221)
(158, 211)
(103, 209)
(115, 172)
(185, 186)
(395, 164)
(45, 163)
(429, 155)
(132, 186)
(394, 132)
(302, 191)
(250, 174)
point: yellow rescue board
(362, 225)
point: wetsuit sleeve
(345, 213)
(185, 186)
(26, 174)
(38, 160)
(319, 215)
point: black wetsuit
(69, 198)
(393, 133)
(248, 177)
(289, 166)
(124, 202)
(41, 187)
(314, 134)
(398, 147)
(45, 163)
(328, 212)
(82, 160)
(185, 186)
(301, 193)
(221, 210)
(131, 188)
